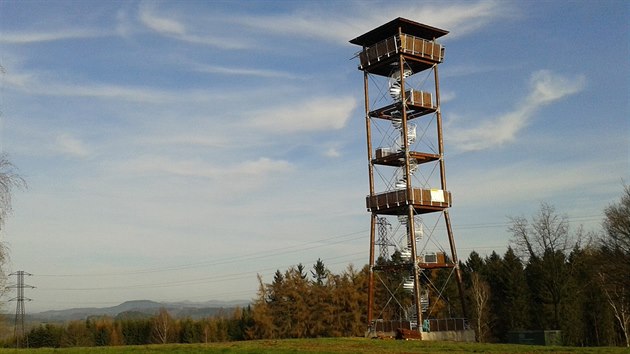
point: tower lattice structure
(19, 330)
(407, 180)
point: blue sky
(174, 150)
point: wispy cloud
(545, 88)
(49, 36)
(43, 84)
(317, 23)
(240, 71)
(170, 26)
(314, 114)
(161, 24)
(523, 181)
(461, 18)
(188, 139)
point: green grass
(327, 345)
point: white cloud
(149, 18)
(332, 152)
(545, 88)
(548, 87)
(262, 166)
(197, 168)
(315, 114)
(70, 145)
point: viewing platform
(416, 41)
(423, 201)
(384, 156)
(418, 103)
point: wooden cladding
(423, 200)
(419, 99)
(414, 46)
(422, 48)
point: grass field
(327, 345)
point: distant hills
(141, 308)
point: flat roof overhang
(391, 29)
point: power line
(256, 255)
(197, 281)
(296, 248)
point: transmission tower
(383, 241)
(407, 180)
(19, 332)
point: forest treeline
(550, 278)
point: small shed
(536, 337)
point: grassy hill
(329, 345)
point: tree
(547, 233)
(614, 274)
(135, 331)
(9, 180)
(189, 331)
(320, 302)
(163, 327)
(47, 335)
(262, 317)
(480, 293)
(617, 224)
(296, 295)
(515, 293)
(619, 300)
(77, 334)
(319, 272)
(546, 243)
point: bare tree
(162, 326)
(480, 293)
(9, 179)
(617, 224)
(614, 271)
(547, 233)
(618, 297)
(546, 243)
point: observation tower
(410, 291)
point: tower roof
(391, 29)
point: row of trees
(139, 330)
(294, 305)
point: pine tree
(320, 302)
(514, 312)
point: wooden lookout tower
(408, 197)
